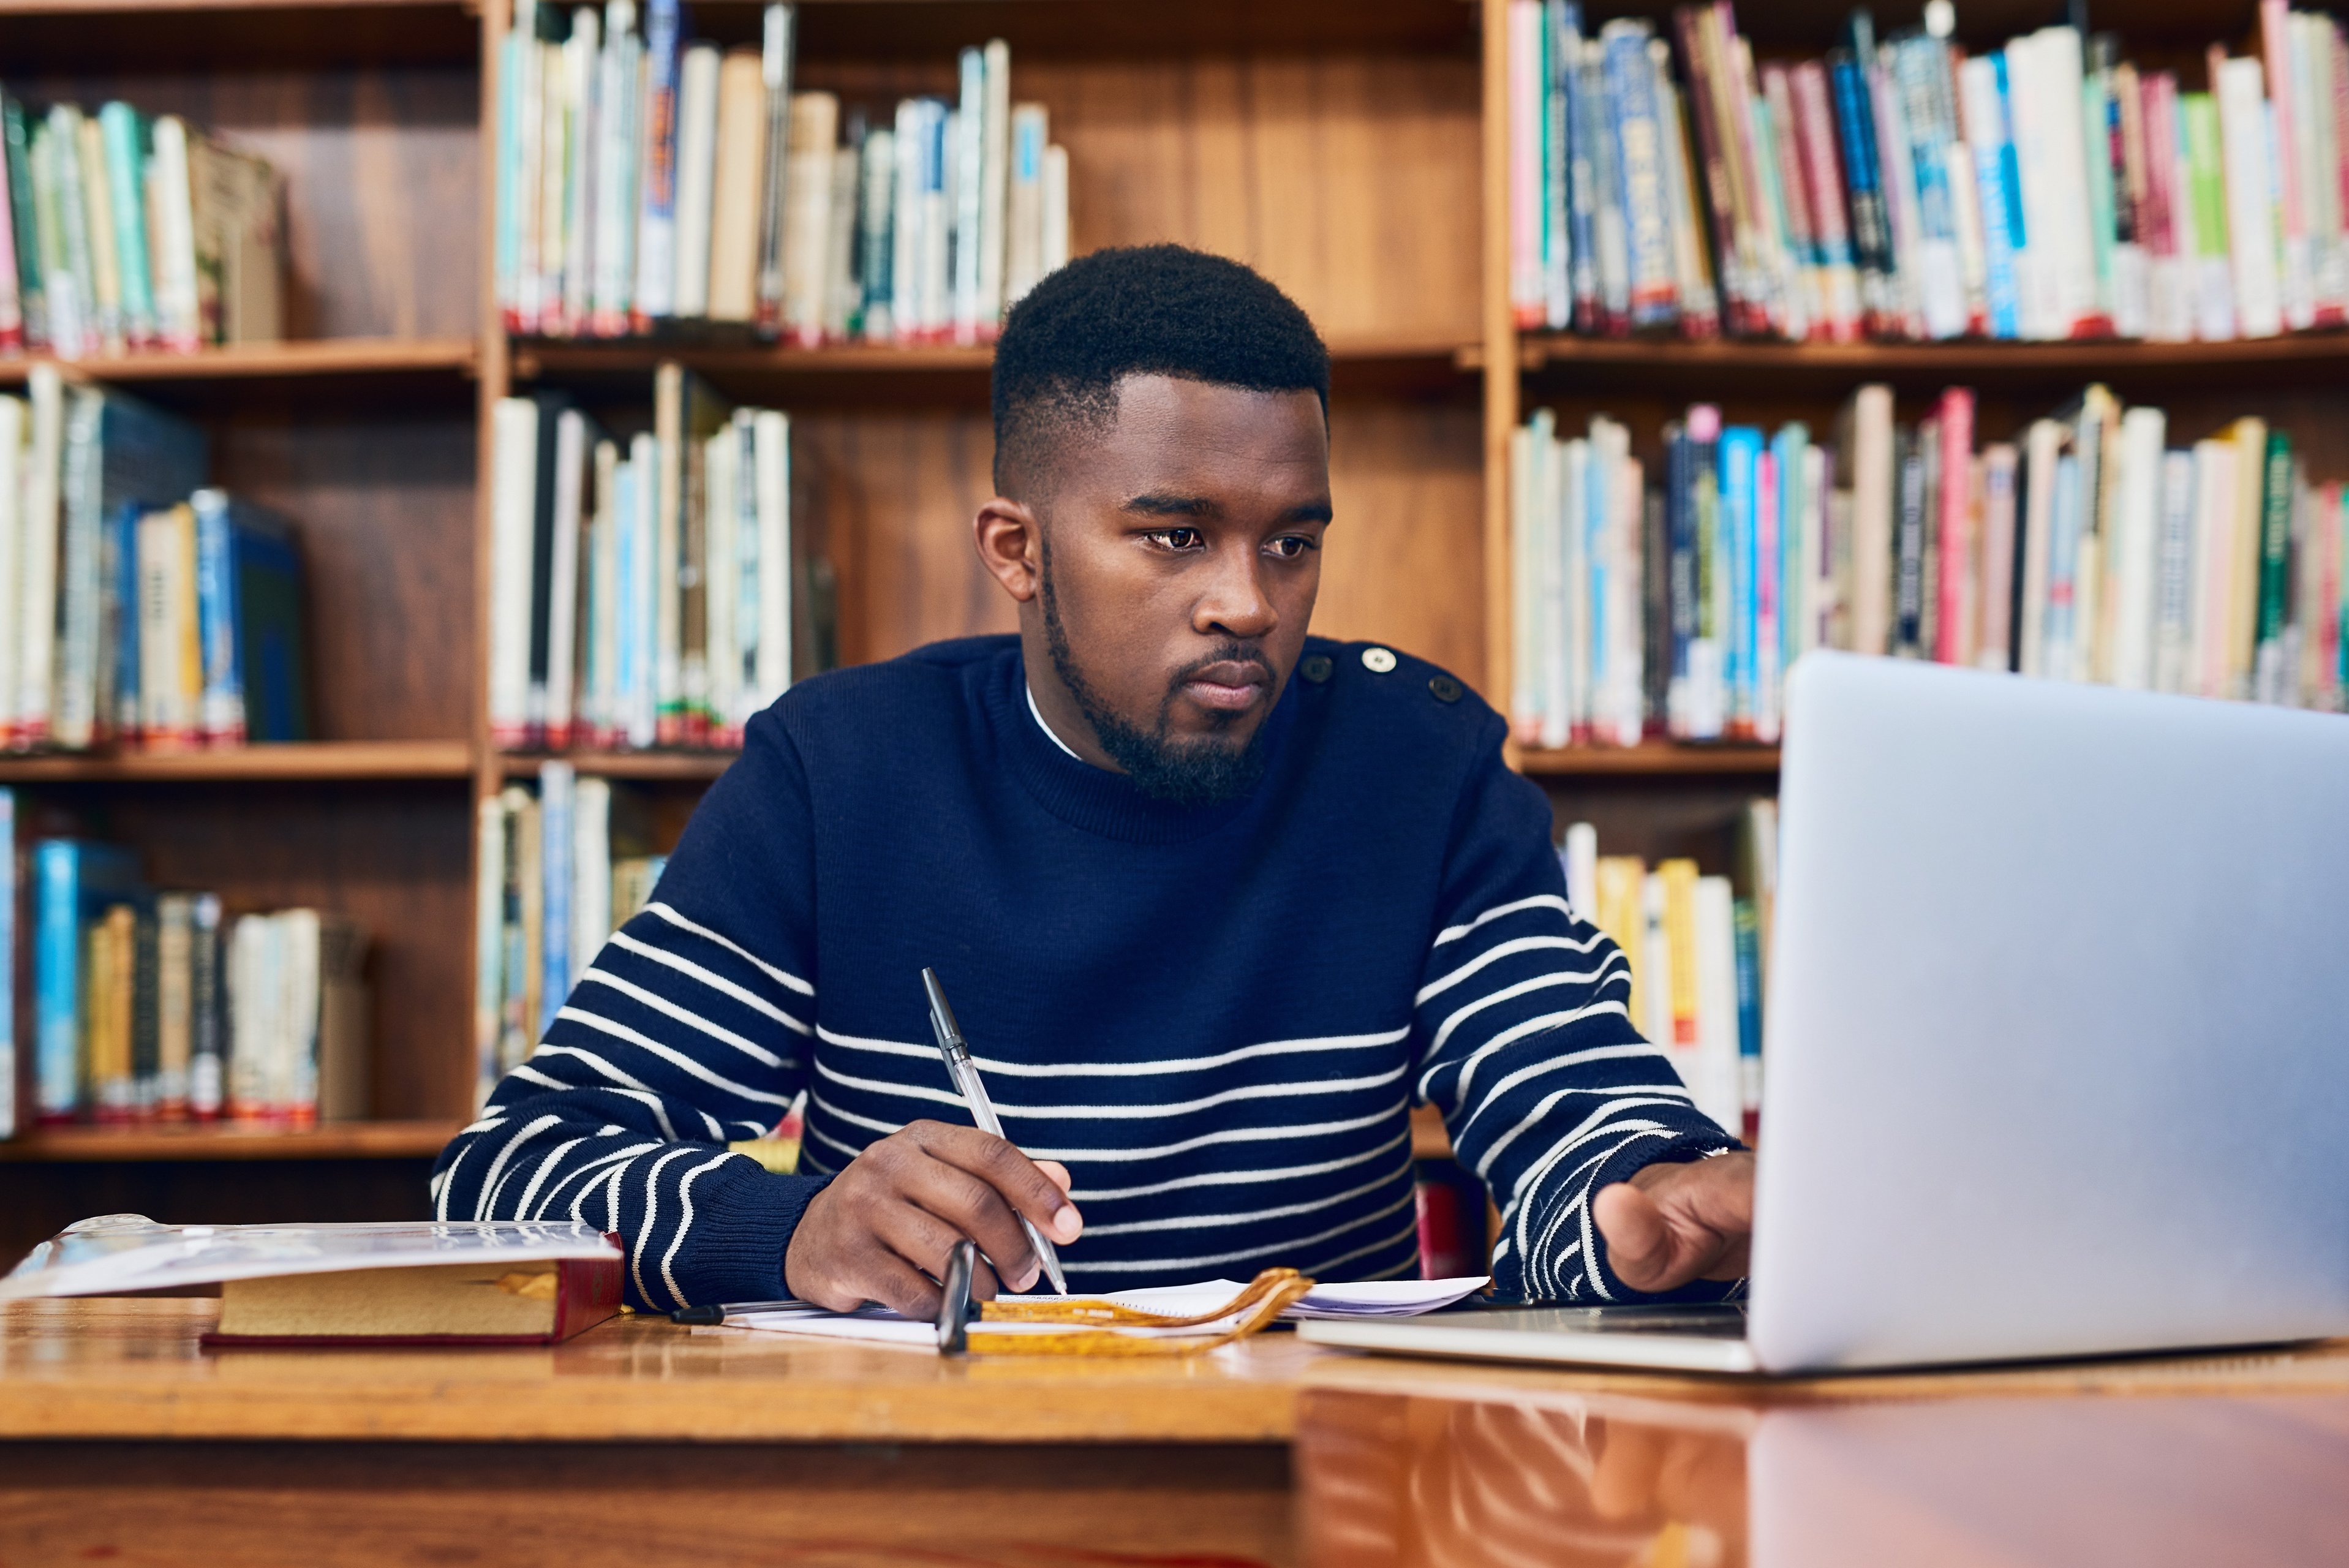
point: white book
(37, 579)
(807, 223)
(969, 153)
(2136, 549)
(591, 870)
(994, 183)
(2314, 104)
(620, 83)
(1713, 1080)
(2043, 445)
(1655, 966)
(1056, 209)
(1580, 857)
(163, 709)
(842, 289)
(172, 242)
(2244, 137)
(529, 113)
(2173, 623)
(2209, 666)
(562, 574)
(2072, 254)
(1626, 662)
(1527, 608)
(1024, 221)
(254, 1010)
(696, 165)
(1557, 617)
(514, 481)
(1574, 540)
(911, 147)
(75, 712)
(772, 446)
(582, 68)
(16, 455)
(296, 1065)
(721, 567)
(641, 654)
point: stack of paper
(879, 1325)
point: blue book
(1561, 42)
(1993, 153)
(2062, 571)
(118, 621)
(1640, 173)
(1680, 546)
(1793, 597)
(1582, 172)
(655, 292)
(1740, 457)
(1871, 224)
(556, 793)
(1746, 925)
(73, 880)
(246, 558)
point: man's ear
(1012, 543)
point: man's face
(1180, 556)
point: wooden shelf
(1590, 365)
(298, 360)
(625, 764)
(1650, 759)
(335, 1140)
(43, 35)
(293, 763)
(913, 372)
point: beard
(1204, 771)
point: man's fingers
(1022, 1182)
(1058, 1173)
(975, 1210)
(1638, 1240)
(899, 1287)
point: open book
(1158, 1320)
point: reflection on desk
(1393, 1480)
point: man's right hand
(884, 1227)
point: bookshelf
(1355, 152)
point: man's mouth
(1227, 686)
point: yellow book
(2250, 436)
(1621, 882)
(1680, 941)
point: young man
(1215, 902)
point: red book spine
(1956, 502)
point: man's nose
(1235, 603)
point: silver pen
(965, 1078)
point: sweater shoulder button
(1316, 668)
(1446, 688)
(1378, 660)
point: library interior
(1836, 577)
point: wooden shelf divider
(294, 359)
(291, 762)
(1650, 759)
(229, 1141)
(623, 764)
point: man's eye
(1177, 538)
(1290, 546)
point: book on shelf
(560, 870)
(122, 230)
(152, 1006)
(651, 593)
(1695, 948)
(1662, 179)
(646, 179)
(2089, 549)
(139, 607)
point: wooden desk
(641, 1442)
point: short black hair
(1141, 310)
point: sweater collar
(1095, 798)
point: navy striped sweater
(1218, 1018)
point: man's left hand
(1674, 1222)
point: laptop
(2057, 1025)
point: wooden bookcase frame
(1358, 150)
